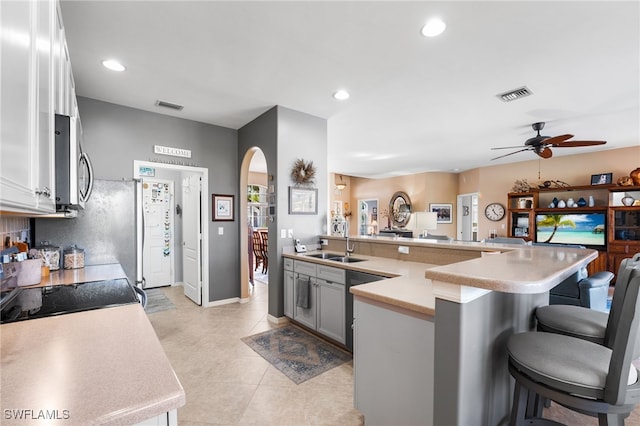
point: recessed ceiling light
(433, 27)
(113, 65)
(341, 95)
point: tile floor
(227, 383)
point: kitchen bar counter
(104, 366)
(449, 366)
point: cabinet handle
(45, 191)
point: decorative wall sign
(174, 152)
(303, 200)
(222, 207)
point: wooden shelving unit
(623, 222)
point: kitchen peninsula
(102, 366)
(431, 349)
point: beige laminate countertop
(103, 366)
(520, 269)
(407, 288)
(88, 273)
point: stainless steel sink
(323, 255)
(346, 259)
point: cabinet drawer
(329, 273)
(305, 268)
(288, 264)
(619, 248)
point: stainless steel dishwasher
(355, 278)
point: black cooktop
(31, 303)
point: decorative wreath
(303, 173)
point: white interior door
(192, 236)
(157, 255)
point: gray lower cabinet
(393, 364)
(289, 282)
(326, 298)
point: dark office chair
(581, 289)
(597, 380)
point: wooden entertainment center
(622, 224)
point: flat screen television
(585, 229)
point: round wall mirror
(400, 209)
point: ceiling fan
(540, 144)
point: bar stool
(584, 323)
(583, 376)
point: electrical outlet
(290, 233)
(324, 242)
(220, 230)
(403, 249)
(283, 233)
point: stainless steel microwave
(74, 173)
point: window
(258, 207)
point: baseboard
(277, 320)
(244, 300)
(221, 302)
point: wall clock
(494, 212)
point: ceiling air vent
(169, 105)
(512, 95)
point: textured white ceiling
(417, 104)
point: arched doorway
(253, 209)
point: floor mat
(157, 301)
(296, 353)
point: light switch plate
(283, 233)
(220, 230)
(403, 249)
(290, 233)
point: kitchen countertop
(520, 269)
(86, 274)
(406, 287)
(104, 366)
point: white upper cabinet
(29, 53)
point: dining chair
(257, 250)
(264, 250)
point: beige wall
(492, 183)
(422, 188)
(257, 179)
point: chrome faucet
(348, 250)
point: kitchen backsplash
(13, 228)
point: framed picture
(303, 200)
(222, 207)
(601, 179)
(444, 211)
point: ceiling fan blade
(511, 153)
(571, 144)
(508, 147)
(545, 153)
(557, 139)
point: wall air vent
(512, 95)
(169, 105)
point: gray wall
(115, 136)
(285, 135)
